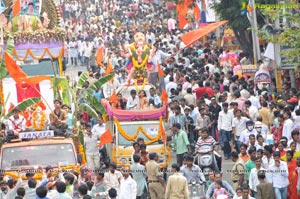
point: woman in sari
(293, 149)
(282, 152)
(293, 176)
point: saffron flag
(194, 35)
(109, 68)
(16, 7)
(164, 97)
(99, 56)
(163, 133)
(105, 138)
(113, 98)
(160, 71)
(14, 70)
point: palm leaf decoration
(9, 49)
(96, 104)
(91, 112)
(83, 77)
(61, 83)
(97, 85)
(23, 105)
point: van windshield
(130, 129)
(39, 155)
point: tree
(231, 10)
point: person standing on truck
(155, 179)
(15, 124)
(91, 150)
(58, 119)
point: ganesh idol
(138, 64)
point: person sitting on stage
(58, 119)
(15, 124)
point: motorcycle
(208, 159)
(196, 189)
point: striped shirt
(209, 141)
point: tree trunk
(245, 43)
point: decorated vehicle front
(29, 156)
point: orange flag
(163, 133)
(113, 98)
(99, 56)
(164, 97)
(160, 71)
(16, 7)
(197, 13)
(109, 68)
(36, 79)
(14, 70)
(105, 138)
(11, 107)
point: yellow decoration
(138, 130)
(28, 52)
(38, 175)
(136, 65)
(81, 152)
(38, 124)
(239, 74)
(115, 160)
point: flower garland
(136, 65)
(81, 152)
(38, 123)
(139, 129)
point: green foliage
(83, 77)
(23, 106)
(61, 89)
(9, 49)
(288, 35)
(95, 103)
(86, 107)
(96, 85)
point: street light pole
(253, 21)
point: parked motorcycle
(196, 189)
(208, 159)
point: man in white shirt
(254, 100)
(244, 137)
(113, 177)
(225, 128)
(287, 126)
(128, 186)
(295, 138)
(253, 179)
(251, 110)
(133, 101)
(91, 149)
(238, 126)
(267, 159)
(245, 194)
(15, 124)
(170, 85)
(109, 87)
(279, 176)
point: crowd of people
(258, 129)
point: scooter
(208, 159)
(196, 189)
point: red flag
(16, 7)
(99, 56)
(160, 71)
(114, 98)
(164, 97)
(14, 70)
(105, 138)
(27, 91)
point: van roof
(54, 140)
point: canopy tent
(194, 35)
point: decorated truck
(142, 121)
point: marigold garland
(38, 124)
(139, 129)
(136, 65)
(81, 152)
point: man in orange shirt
(264, 113)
